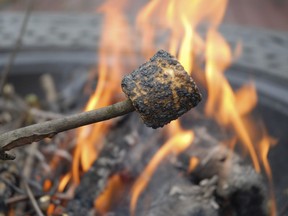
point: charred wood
(172, 193)
(240, 190)
(222, 183)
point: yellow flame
(221, 103)
(175, 145)
(246, 99)
(185, 53)
(64, 181)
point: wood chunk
(239, 186)
(174, 194)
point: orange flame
(194, 161)
(175, 145)
(264, 146)
(114, 189)
(64, 181)
(221, 103)
(89, 141)
(245, 104)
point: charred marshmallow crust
(161, 90)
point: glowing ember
(50, 209)
(47, 185)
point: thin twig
(37, 132)
(29, 161)
(49, 88)
(18, 198)
(32, 199)
(17, 46)
(15, 107)
(11, 185)
(42, 114)
(24, 197)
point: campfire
(212, 160)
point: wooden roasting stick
(160, 90)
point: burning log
(159, 90)
(180, 197)
(221, 184)
(240, 189)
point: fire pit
(187, 168)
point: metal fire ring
(266, 51)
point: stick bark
(32, 199)
(37, 132)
